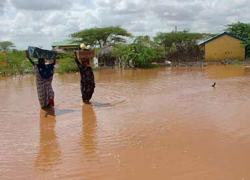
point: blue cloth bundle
(41, 53)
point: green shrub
(66, 63)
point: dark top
(46, 71)
(87, 75)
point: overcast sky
(41, 22)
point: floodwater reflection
(89, 128)
(49, 153)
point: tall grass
(66, 63)
(14, 62)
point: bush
(66, 63)
(3, 63)
(140, 53)
(14, 62)
(17, 62)
(125, 54)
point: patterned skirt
(44, 90)
(87, 83)
(87, 90)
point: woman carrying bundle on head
(44, 76)
(87, 78)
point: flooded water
(141, 125)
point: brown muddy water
(141, 125)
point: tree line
(181, 46)
(117, 46)
(142, 51)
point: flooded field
(141, 125)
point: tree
(101, 36)
(180, 46)
(239, 29)
(146, 51)
(125, 54)
(5, 45)
(181, 38)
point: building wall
(224, 48)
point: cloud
(41, 5)
(177, 12)
(27, 22)
(2, 5)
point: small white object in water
(168, 62)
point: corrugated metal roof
(65, 43)
(224, 33)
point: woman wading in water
(87, 79)
(44, 76)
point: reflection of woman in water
(49, 153)
(89, 130)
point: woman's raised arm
(27, 55)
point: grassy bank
(15, 62)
